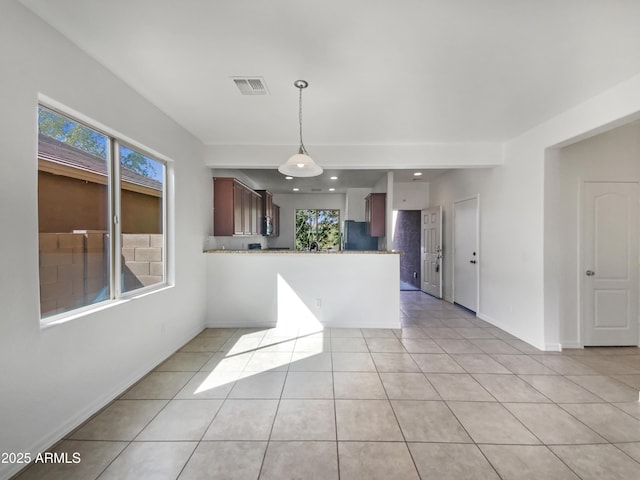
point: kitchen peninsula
(287, 288)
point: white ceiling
(396, 72)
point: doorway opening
(406, 238)
(592, 226)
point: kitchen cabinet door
(223, 206)
(256, 216)
(267, 211)
(276, 220)
(238, 193)
(246, 212)
(236, 208)
(375, 213)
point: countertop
(298, 252)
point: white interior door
(431, 251)
(610, 263)
(465, 253)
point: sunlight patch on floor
(297, 336)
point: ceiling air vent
(251, 85)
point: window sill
(64, 317)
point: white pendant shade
(300, 165)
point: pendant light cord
(301, 149)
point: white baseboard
(509, 330)
(326, 325)
(236, 325)
(47, 442)
(393, 325)
(571, 345)
(552, 347)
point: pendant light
(300, 164)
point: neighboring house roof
(52, 150)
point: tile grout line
(204, 432)
(378, 372)
(395, 416)
(132, 441)
(335, 406)
(517, 419)
(275, 416)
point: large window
(317, 229)
(101, 216)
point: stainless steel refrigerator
(355, 237)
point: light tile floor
(446, 397)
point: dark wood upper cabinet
(276, 220)
(246, 211)
(238, 196)
(225, 197)
(375, 214)
(269, 219)
(236, 208)
(256, 220)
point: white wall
(410, 195)
(615, 107)
(519, 277)
(388, 213)
(610, 156)
(241, 176)
(510, 254)
(54, 378)
(355, 204)
(290, 202)
(447, 189)
(342, 290)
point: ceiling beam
(436, 155)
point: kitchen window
(317, 229)
(101, 216)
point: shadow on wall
(293, 312)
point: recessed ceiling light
(417, 174)
(334, 178)
(288, 178)
(296, 189)
(332, 189)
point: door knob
(472, 261)
(590, 273)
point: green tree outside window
(320, 226)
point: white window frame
(114, 188)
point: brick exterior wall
(407, 239)
(142, 255)
(73, 267)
